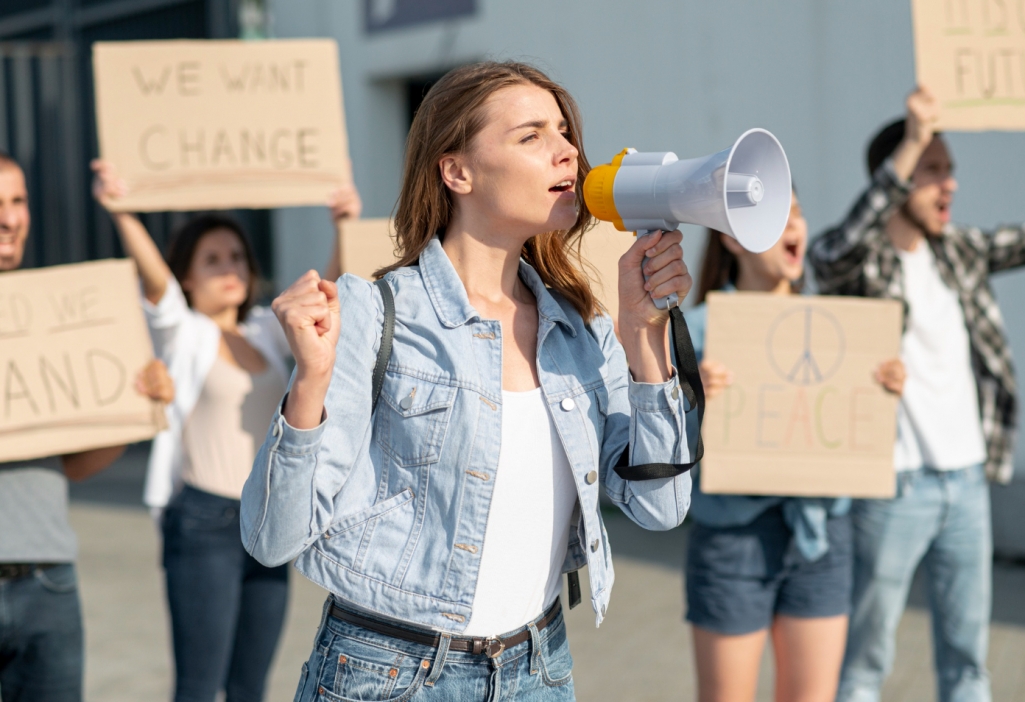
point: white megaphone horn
(743, 191)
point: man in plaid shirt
(957, 418)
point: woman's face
(521, 171)
(785, 260)
(219, 273)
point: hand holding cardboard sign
(891, 375)
(919, 128)
(715, 377)
(923, 116)
(345, 203)
(155, 382)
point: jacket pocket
(372, 512)
(412, 419)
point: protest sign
(366, 245)
(804, 415)
(219, 124)
(73, 340)
(971, 54)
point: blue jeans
(351, 663)
(227, 610)
(41, 637)
(941, 518)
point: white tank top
(527, 535)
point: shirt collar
(448, 294)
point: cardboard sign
(366, 245)
(72, 339)
(804, 415)
(971, 54)
(219, 124)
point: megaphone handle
(663, 303)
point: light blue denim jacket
(806, 516)
(388, 512)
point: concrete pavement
(642, 651)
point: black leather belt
(491, 646)
(15, 571)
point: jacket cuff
(297, 442)
(658, 397)
(886, 178)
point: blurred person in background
(958, 413)
(229, 359)
(759, 566)
(41, 637)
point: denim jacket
(387, 509)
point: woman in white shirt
(229, 360)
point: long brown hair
(450, 116)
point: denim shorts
(740, 578)
(351, 663)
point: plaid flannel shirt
(857, 258)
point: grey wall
(682, 75)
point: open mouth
(562, 187)
(792, 250)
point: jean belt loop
(323, 617)
(535, 649)
(439, 660)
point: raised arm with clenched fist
(308, 312)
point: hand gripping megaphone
(743, 191)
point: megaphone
(743, 191)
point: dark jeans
(41, 637)
(227, 610)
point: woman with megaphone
(437, 462)
(766, 565)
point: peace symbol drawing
(805, 345)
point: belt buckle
(493, 647)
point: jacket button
(676, 393)
(276, 431)
(568, 404)
(594, 545)
(592, 477)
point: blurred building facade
(682, 75)
(47, 116)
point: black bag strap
(693, 390)
(387, 334)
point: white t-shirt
(938, 421)
(527, 536)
